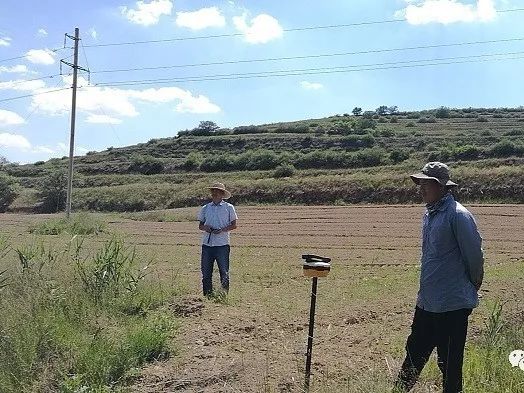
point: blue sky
(37, 127)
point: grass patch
(79, 224)
(56, 336)
(176, 215)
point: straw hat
(221, 187)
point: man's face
(431, 190)
(216, 194)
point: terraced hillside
(339, 159)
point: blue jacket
(452, 264)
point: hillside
(338, 159)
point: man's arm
(470, 244)
(203, 227)
(228, 228)
(202, 220)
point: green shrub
(410, 124)
(506, 148)
(113, 271)
(430, 119)
(8, 192)
(146, 165)
(52, 192)
(193, 161)
(443, 112)
(249, 130)
(284, 170)
(399, 155)
(79, 224)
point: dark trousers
(209, 256)
(446, 331)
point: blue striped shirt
(452, 263)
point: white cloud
(448, 11)
(93, 33)
(188, 102)
(22, 85)
(10, 118)
(197, 20)
(118, 102)
(19, 68)
(261, 29)
(102, 119)
(41, 56)
(199, 104)
(43, 149)
(14, 141)
(311, 85)
(5, 41)
(41, 33)
(147, 14)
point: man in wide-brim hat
(450, 276)
(216, 219)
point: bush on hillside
(192, 161)
(399, 155)
(443, 112)
(284, 170)
(53, 192)
(7, 192)
(146, 165)
(507, 148)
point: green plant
(112, 271)
(8, 192)
(78, 224)
(52, 192)
(284, 170)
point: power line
(317, 70)
(20, 81)
(84, 52)
(33, 95)
(299, 57)
(25, 55)
(304, 28)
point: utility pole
(75, 67)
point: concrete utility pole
(75, 67)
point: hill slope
(338, 159)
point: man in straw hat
(452, 269)
(216, 219)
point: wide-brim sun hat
(221, 187)
(434, 171)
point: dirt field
(255, 341)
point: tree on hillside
(357, 111)
(3, 161)
(52, 192)
(382, 110)
(393, 109)
(443, 112)
(205, 127)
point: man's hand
(216, 231)
(207, 228)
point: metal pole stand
(310, 334)
(314, 267)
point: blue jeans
(209, 256)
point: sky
(317, 71)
